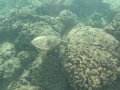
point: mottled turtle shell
(46, 42)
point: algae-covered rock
(90, 59)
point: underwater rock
(96, 20)
(90, 60)
(114, 27)
(11, 68)
(68, 18)
(6, 46)
(25, 57)
(46, 71)
(7, 50)
(54, 22)
(47, 42)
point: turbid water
(59, 44)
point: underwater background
(59, 44)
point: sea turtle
(47, 43)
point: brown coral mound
(90, 61)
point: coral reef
(90, 60)
(69, 55)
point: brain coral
(90, 61)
